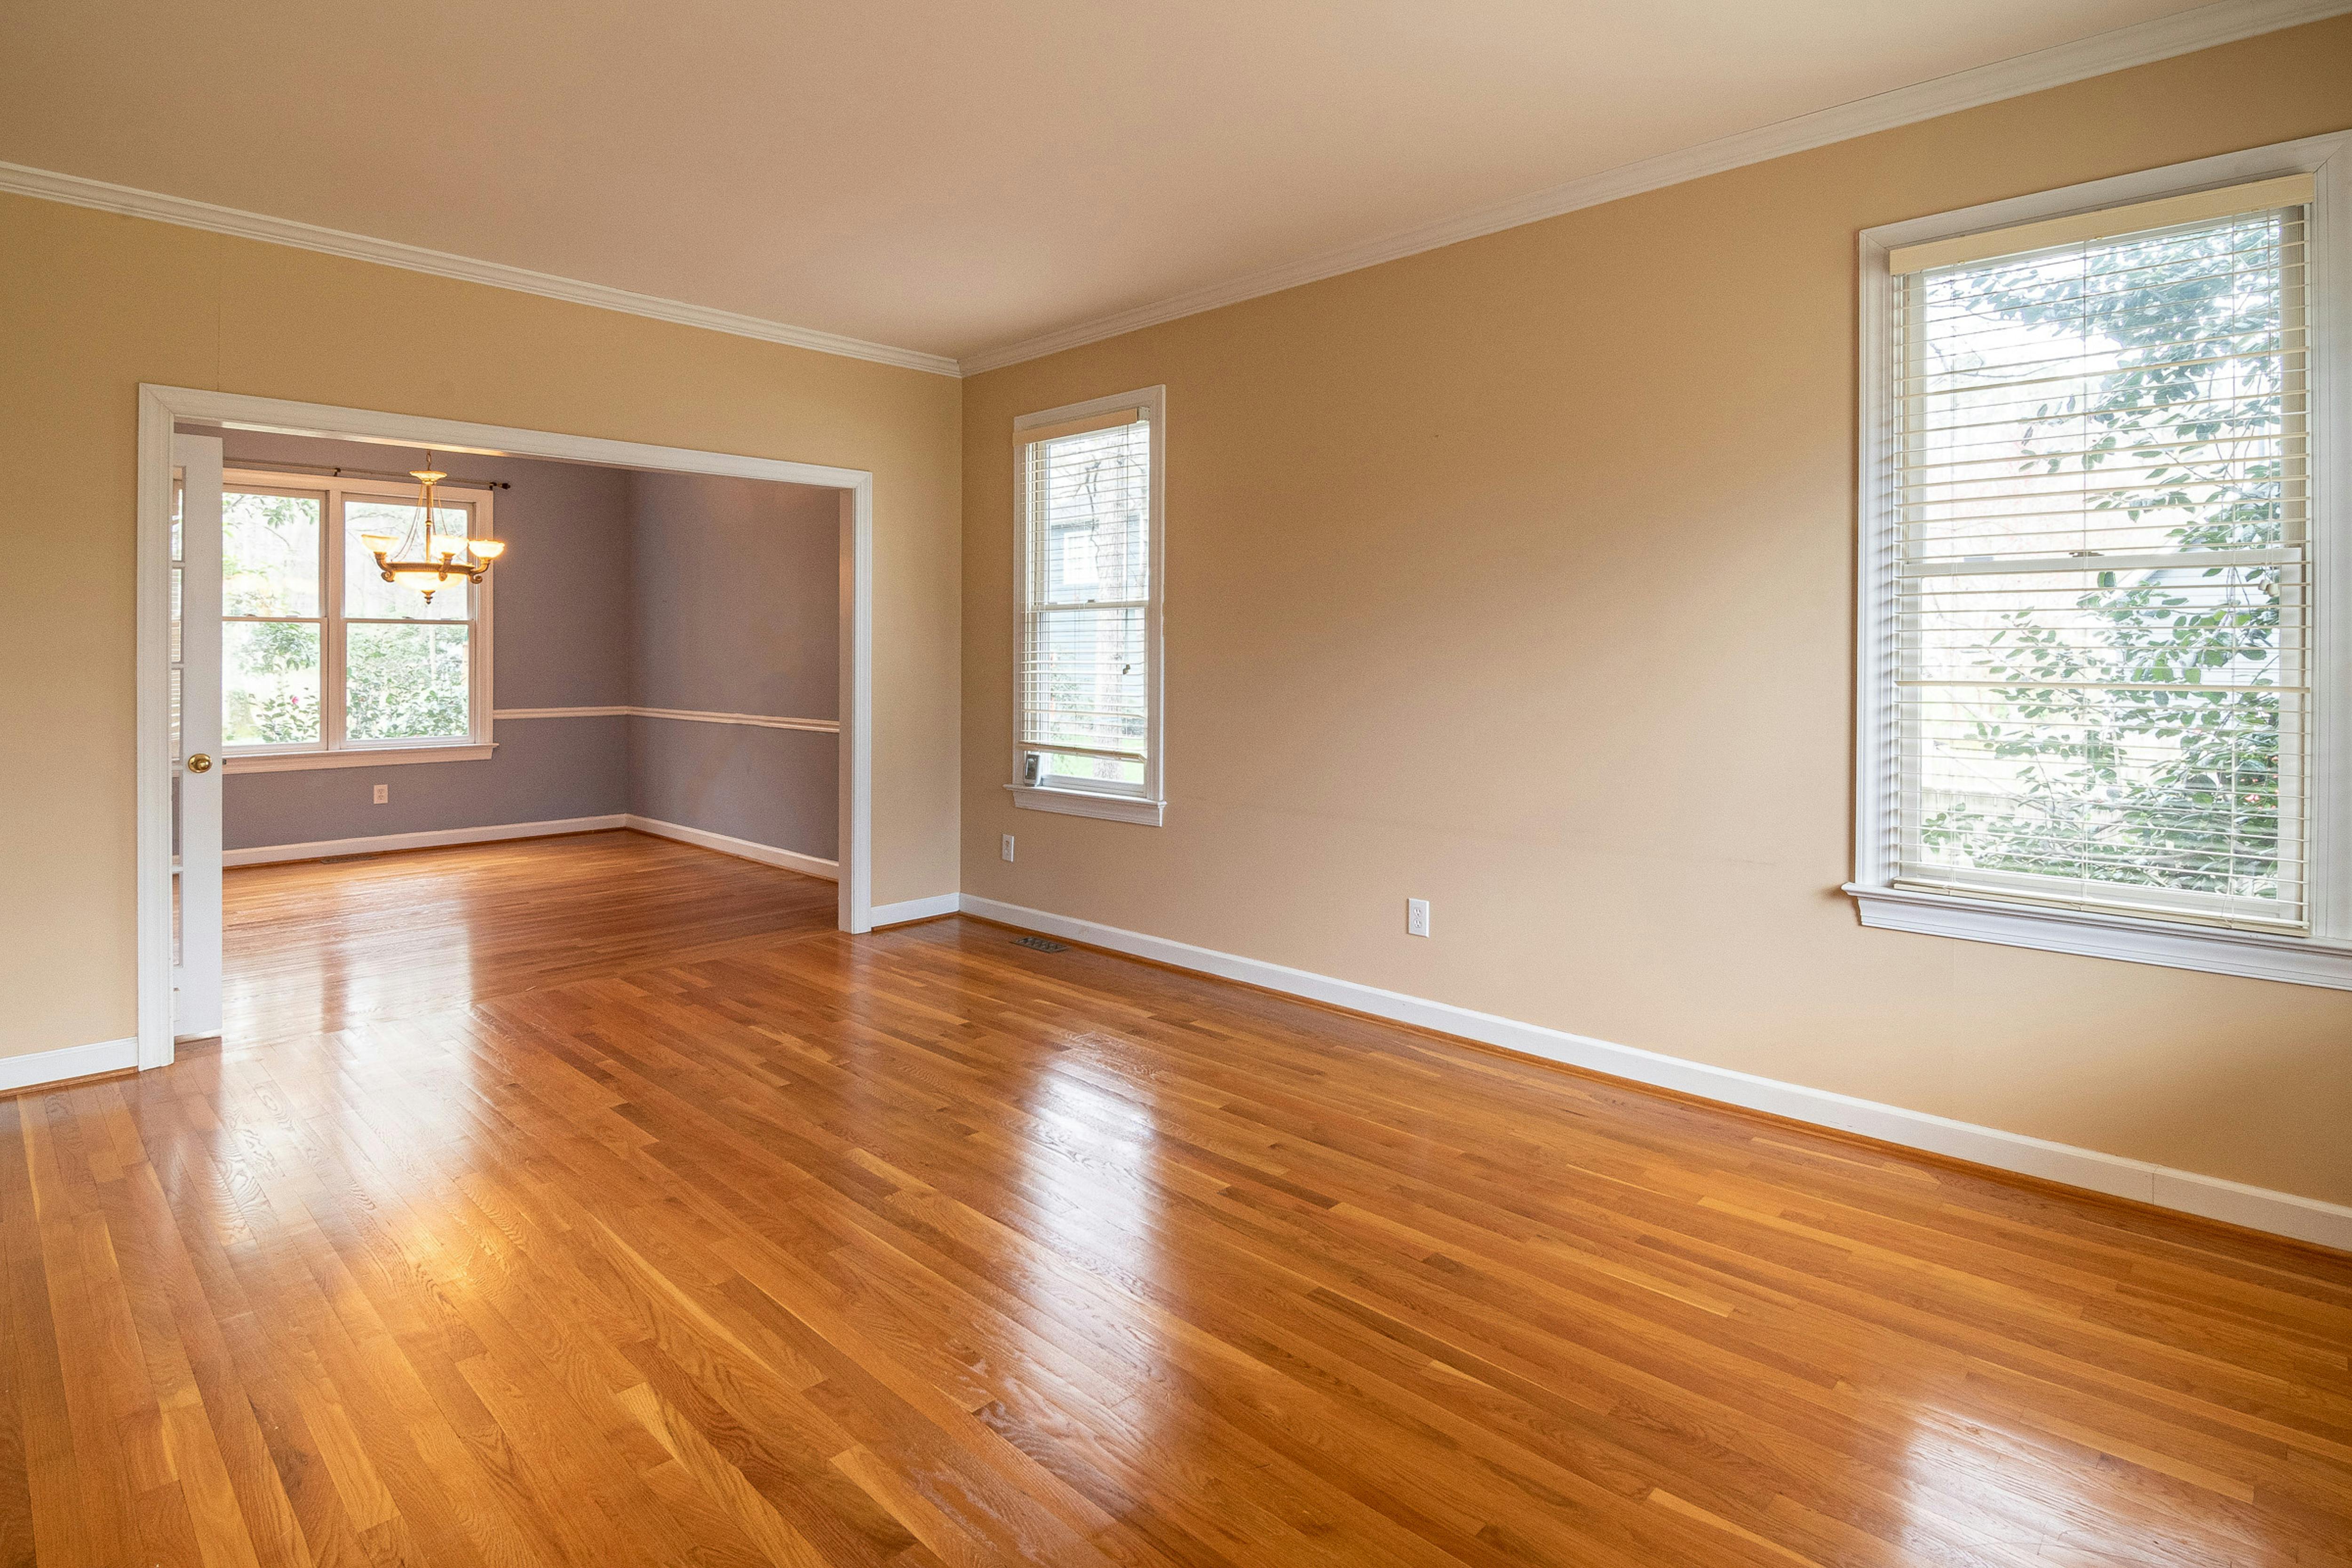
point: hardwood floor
(329, 944)
(592, 1201)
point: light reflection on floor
(1089, 1171)
(1156, 1229)
(364, 965)
(322, 946)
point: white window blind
(2103, 603)
(1087, 691)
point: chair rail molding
(688, 715)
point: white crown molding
(2163, 38)
(2305, 1219)
(74, 190)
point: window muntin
(1086, 689)
(319, 654)
(2103, 605)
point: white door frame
(160, 406)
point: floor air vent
(1041, 945)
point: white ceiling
(946, 178)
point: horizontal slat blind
(1084, 679)
(2103, 595)
(2165, 212)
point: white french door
(195, 718)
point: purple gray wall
(556, 601)
(621, 589)
(736, 610)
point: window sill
(2259, 955)
(1078, 803)
(296, 761)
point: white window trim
(1086, 803)
(2323, 957)
(380, 756)
(475, 747)
(1150, 805)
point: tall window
(1088, 723)
(2100, 544)
(322, 662)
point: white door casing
(160, 406)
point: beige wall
(92, 304)
(1519, 576)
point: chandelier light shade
(424, 562)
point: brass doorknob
(200, 763)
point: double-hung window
(1087, 702)
(2104, 701)
(323, 664)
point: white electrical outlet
(1416, 916)
(1007, 850)
(384, 794)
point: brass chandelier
(434, 562)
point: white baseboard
(271, 854)
(68, 1062)
(938, 904)
(743, 848)
(2257, 1208)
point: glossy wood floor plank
(592, 1201)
